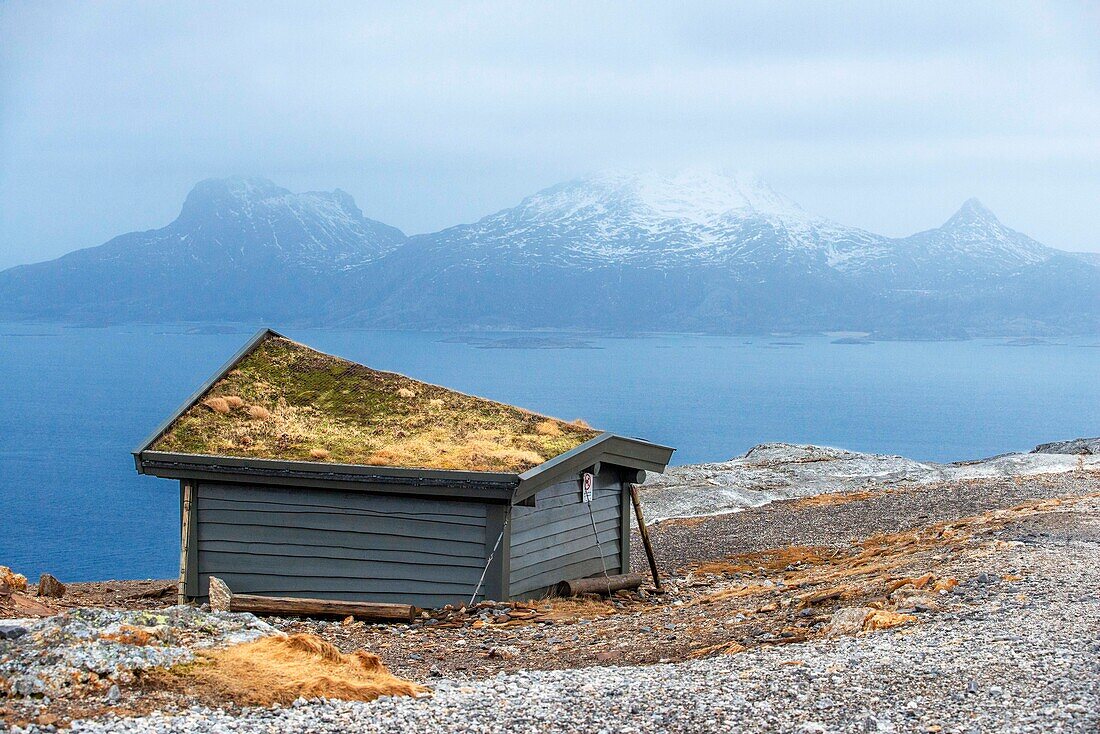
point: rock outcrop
(1078, 446)
(777, 471)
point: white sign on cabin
(586, 487)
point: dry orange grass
(129, 635)
(438, 449)
(278, 670)
(548, 428)
(233, 401)
(836, 498)
(405, 392)
(872, 568)
(945, 584)
(868, 583)
(884, 619)
(579, 423)
(318, 454)
(773, 560)
(738, 593)
(218, 405)
(259, 412)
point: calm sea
(75, 402)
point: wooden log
(600, 584)
(644, 532)
(224, 600)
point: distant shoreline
(214, 328)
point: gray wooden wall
(553, 541)
(335, 544)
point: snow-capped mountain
(695, 251)
(655, 221)
(972, 243)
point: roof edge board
(351, 472)
(630, 452)
(243, 352)
(457, 491)
(568, 456)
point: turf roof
(284, 400)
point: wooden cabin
(306, 475)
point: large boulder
(1079, 446)
(15, 582)
(49, 586)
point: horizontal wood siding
(335, 544)
(554, 540)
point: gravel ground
(1005, 656)
(1012, 648)
(809, 522)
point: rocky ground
(962, 604)
(778, 471)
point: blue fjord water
(75, 402)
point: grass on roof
(286, 401)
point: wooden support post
(637, 502)
(224, 600)
(187, 533)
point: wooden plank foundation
(222, 599)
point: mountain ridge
(695, 251)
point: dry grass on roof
(287, 401)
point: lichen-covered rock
(1077, 446)
(847, 621)
(14, 581)
(98, 647)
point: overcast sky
(880, 115)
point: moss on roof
(284, 400)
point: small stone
(11, 631)
(114, 695)
(504, 652)
(847, 621)
(49, 586)
(47, 720)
